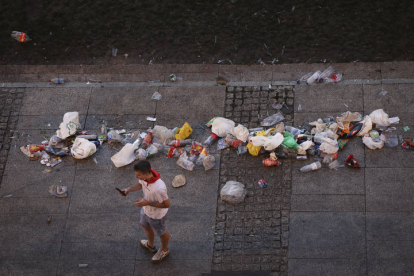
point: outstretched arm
(135, 187)
(143, 202)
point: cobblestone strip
(10, 102)
(254, 235)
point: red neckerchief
(155, 176)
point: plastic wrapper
(56, 142)
(352, 162)
(20, 36)
(242, 150)
(366, 126)
(233, 192)
(131, 138)
(280, 127)
(379, 117)
(163, 133)
(289, 141)
(319, 126)
(58, 191)
(241, 133)
(201, 157)
(222, 126)
(303, 147)
(342, 143)
(389, 137)
(82, 148)
(335, 165)
(272, 120)
(184, 163)
(178, 181)
(319, 136)
(209, 162)
(329, 146)
(353, 131)
(349, 117)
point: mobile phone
(121, 192)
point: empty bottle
(314, 77)
(311, 167)
(147, 140)
(305, 77)
(334, 78)
(210, 140)
(57, 80)
(325, 74)
(180, 143)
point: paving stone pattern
(254, 235)
(10, 102)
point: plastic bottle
(314, 77)
(58, 152)
(147, 140)
(302, 157)
(180, 143)
(210, 140)
(325, 74)
(311, 167)
(305, 77)
(88, 136)
(57, 80)
(333, 78)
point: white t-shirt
(155, 192)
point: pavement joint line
(194, 83)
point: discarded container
(156, 96)
(184, 163)
(325, 74)
(180, 143)
(311, 167)
(241, 150)
(305, 77)
(35, 148)
(389, 137)
(334, 78)
(173, 77)
(58, 152)
(147, 140)
(88, 137)
(20, 36)
(269, 162)
(57, 80)
(209, 162)
(114, 52)
(272, 120)
(314, 77)
(210, 140)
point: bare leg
(150, 234)
(164, 241)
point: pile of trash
(327, 76)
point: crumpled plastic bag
(125, 156)
(241, 133)
(349, 117)
(178, 181)
(379, 117)
(329, 146)
(367, 140)
(141, 154)
(273, 142)
(304, 146)
(163, 133)
(233, 192)
(209, 162)
(82, 148)
(114, 136)
(69, 126)
(366, 126)
(222, 126)
(201, 157)
(319, 126)
(289, 141)
(152, 150)
(272, 120)
(183, 132)
(184, 163)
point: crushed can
(262, 183)
(269, 162)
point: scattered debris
(221, 81)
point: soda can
(269, 162)
(262, 183)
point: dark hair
(143, 166)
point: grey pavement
(345, 222)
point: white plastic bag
(319, 126)
(184, 163)
(273, 142)
(69, 126)
(379, 117)
(349, 117)
(125, 156)
(304, 146)
(209, 162)
(222, 126)
(257, 141)
(329, 146)
(366, 126)
(241, 132)
(233, 192)
(164, 134)
(367, 140)
(82, 148)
